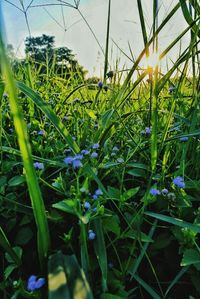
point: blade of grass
(151, 291)
(107, 42)
(8, 248)
(176, 278)
(174, 221)
(43, 240)
(50, 114)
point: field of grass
(100, 183)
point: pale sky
(125, 28)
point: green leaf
(9, 270)
(190, 257)
(129, 193)
(150, 290)
(24, 235)
(137, 172)
(16, 181)
(138, 236)
(111, 224)
(174, 221)
(67, 206)
(18, 252)
(66, 279)
(110, 296)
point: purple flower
(184, 138)
(98, 192)
(115, 149)
(85, 152)
(95, 146)
(91, 235)
(76, 163)
(41, 132)
(87, 205)
(154, 192)
(148, 130)
(38, 165)
(94, 197)
(94, 155)
(105, 87)
(100, 84)
(34, 283)
(78, 157)
(179, 182)
(68, 160)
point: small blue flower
(87, 205)
(100, 84)
(95, 146)
(98, 192)
(94, 210)
(91, 235)
(164, 191)
(41, 133)
(184, 138)
(38, 165)
(94, 155)
(179, 182)
(94, 197)
(115, 149)
(68, 160)
(85, 152)
(154, 192)
(105, 87)
(78, 157)
(148, 130)
(64, 117)
(76, 163)
(34, 283)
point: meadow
(100, 181)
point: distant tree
(41, 49)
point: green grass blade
(188, 16)
(7, 247)
(174, 221)
(22, 136)
(176, 278)
(151, 292)
(50, 114)
(100, 250)
(107, 41)
(142, 22)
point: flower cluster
(91, 234)
(34, 283)
(179, 182)
(100, 85)
(38, 165)
(97, 193)
(156, 192)
(74, 161)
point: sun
(152, 61)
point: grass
(113, 181)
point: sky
(70, 30)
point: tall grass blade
(50, 114)
(151, 291)
(174, 221)
(176, 278)
(7, 247)
(43, 240)
(107, 41)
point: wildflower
(154, 192)
(67, 150)
(100, 84)
(164, 191)
(38, 165)
(146, 131)
(68, 160)
(94, 155)
(120, 160)
(94, 197)
(172, 89)
(115, 149)
(34, 283)
(11, 130)
(105, 87)
(98, 192)
(184, 138)
(95, 146)
(76, 100)
(64, 117)
(76, 163)
(87, 205)
(91, 235)
(96, 125)
(85, 152)
(179, 182)
(41, 132)
(78, 157)
(95, 210)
